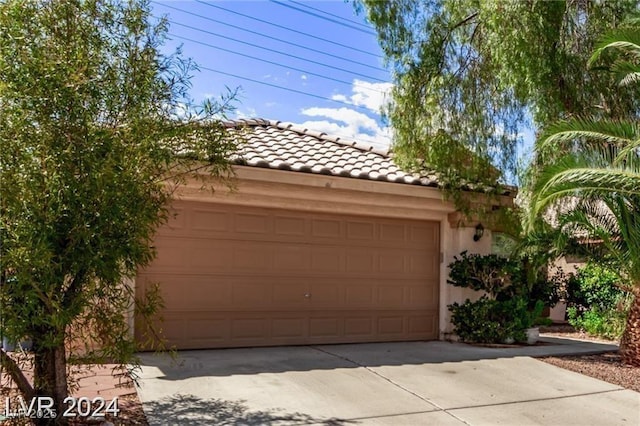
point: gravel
(606, 366)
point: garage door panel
(390, 232)
(392, 262)
(359, 326)
(327, 260)
(392, 295)
(421, 296)
(358, 295)
(361, 230)
(240, 276)
(290, 257)
(195, 293)
(391, 324)
(422, 324)
(206, 255)
(290, 293)
(326, 327)
(255, 257)
(425, 233)
(247, 293)
(210, 221)
(324, 294)
(290, 226)
(291, 328)
(172, 254)
(423, 264)
(249, 328)
(252, 223)
(327, 229)
(361, 261)
(176, 222)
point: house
(322, 240)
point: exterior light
(479, 232)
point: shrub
(596, 303)
(490, 273)
(488, 321)
(505, 311)
(604, 323)
(594, 286)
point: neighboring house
(322, 240)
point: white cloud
(303, 76)
(349, 124)
(369, 95)
(346, 122)
(249, 113)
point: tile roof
(285, 146)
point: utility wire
(300, 92)
(348, 83)
(288, 29)
(278, 52)
(275, 38)
(329, 13)
(322, 17)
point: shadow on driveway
(191, 410)
(248, 361)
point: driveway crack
(399, 386)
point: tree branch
(10, 366)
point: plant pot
(533, 334)
(7, 345)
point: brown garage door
(236, 276)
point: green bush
(596, 303)
(490, 273)
(507, 309)
(594, 286)
(604, 323)
(493, 321)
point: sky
(312, 63)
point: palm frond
(626, 39)
(615, 132)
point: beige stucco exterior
(306, 192)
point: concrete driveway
(417, 383)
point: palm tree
(589, 177)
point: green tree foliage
(96, 131)
(475, 71)
(589, 180)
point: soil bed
(606, 366)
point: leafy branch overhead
(484, 71)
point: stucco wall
(455, 241)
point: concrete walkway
(413, 383)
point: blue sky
(325, 54)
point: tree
(593, 182)
(96, 131)
(478, 71)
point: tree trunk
(50, 379)
(630, 343)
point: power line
(280, 53)
(329, 13)
(322, 17)
(300, 92)
(274, 38)
(289, 29)
(348, 83)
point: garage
(238, 276)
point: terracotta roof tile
(285, 146)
